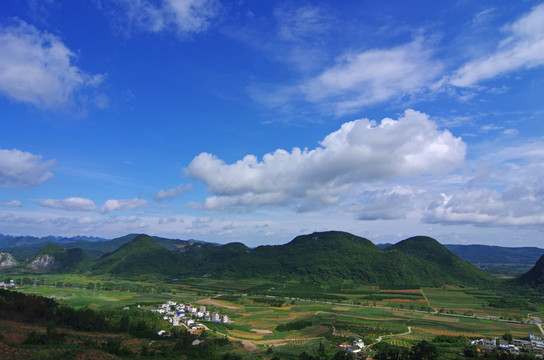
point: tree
(306, 356)
(385, 351)
(470, 351)
(424, 351)
(343, 355)
(124, 323)
(229, 356)
(508, 337)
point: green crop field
(397, 317)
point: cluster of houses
(10, 285)
(533, 344)
(188, 315)
(355, 347)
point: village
(533, 344)
(188, 316)
(10, 285)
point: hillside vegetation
(324, 257)
(533, 279)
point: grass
(101, 299)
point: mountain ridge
(318, 257)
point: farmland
(264, 316)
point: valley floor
(329, 316)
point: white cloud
(169, 220)
(373, 76)
(46, 223)
(506, 188)
(12, 203)
(490, 127)
(20, 169)
(38, 68)
(523, 49)
(520, 205)
(396, 202)
(297, 24)
(180, 16)
(122, 204)
(72, 204)
(510, 132)
(174, 192)
(360, 151)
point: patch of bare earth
(9, 353)
(92, 354)
(217, 303)
(320, 331)
(442, 318)
(248, 345)
(15, 338)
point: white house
(214, 317)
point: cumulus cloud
(174, 192)
(180, 16)
(72, 204)
(396, 202)
(360, 151)
(508, 191)
(37, 68)
(122, 204)
(19, 169)
(12, 203)
(522, 49)
(520, 205)
(373, 76)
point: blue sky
(258, 121)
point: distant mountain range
(25, 247)
(493, 258)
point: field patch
(241, 334)
(449, 319)
(219, 303)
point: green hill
(55, 258)
(324, 257)
(96, 249)
(141, 256)
(333, 256)
(534, 278)
(422, 258)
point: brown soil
(217, 303)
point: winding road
(390, 336)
